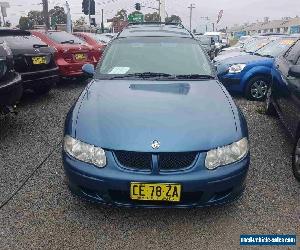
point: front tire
(296, 160)
(257, 88)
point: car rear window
(64, 37)
(15, 41)
(173, 56)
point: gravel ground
(43, 214)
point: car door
(288, 92)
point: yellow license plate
(80, 56)
(39, 60)
(155, 191)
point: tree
(80, 21)
(152, 17)
(25, 23)
(36, 17)
(121, 15)
(173, 19)
(58, 14)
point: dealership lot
(44, 213)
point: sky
(235, 11)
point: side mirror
(295, 71)
(88, 69)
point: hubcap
(259, 89)
(297, 157)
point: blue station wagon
(155, 128)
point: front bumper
(200, 187)
(11, 90)
(232, 82)
(35, 79)
(72, 69)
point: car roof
(155, 30)
(13, 32)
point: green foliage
(152, 17)
(58, 13)
(173, 19)
(121, 15)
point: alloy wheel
(259, 89)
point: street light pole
(191, 7)
(46, 14)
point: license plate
(80, 56)
(155, 191)
(39, 60)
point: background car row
(36, 60)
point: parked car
(251, 74)
(10, 82)
(94, 40)
(71, 52)
(155, 128)
(105, 38)
(283, 98)
(33, 59)
(249, 48)
(221, 40)
(208, 44)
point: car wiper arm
(68, 41)
(36, 46)
(194, 76)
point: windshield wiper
(142, 75)
(36, 46)
(68, 41)
(194, 76)
(257, 54)
(268, 56)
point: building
(286, 25)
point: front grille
(166, 161)
(141, 161)
(170, 161)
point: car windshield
(102, 38)
(204, 40)
(172, 56)
(256, 44)
(216, 38)
(275, 48)
(64, 37)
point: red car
(71, 52)
(93, 40)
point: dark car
(283, 98)
(10, 82)
(208, 44)
(250, 75)
(154, 128)
(33, 59)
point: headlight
(236, 68)
(227, 154)
(85, 152)
(3, 68)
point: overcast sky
(235, 11)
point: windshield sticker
(119, 70)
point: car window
(277, 47)
(64, 37)
(293, 53)
(175, 56)
(15, 41)
(256, 45)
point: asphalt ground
(38, 211)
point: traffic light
(138, 6)
(88, 7)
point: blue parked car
(251, 74)
(283, 97)
(154, 128)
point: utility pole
(46, 14)
(69, 20)
(90, 14)
(191, 7)
(162, 10)
(102, 22)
